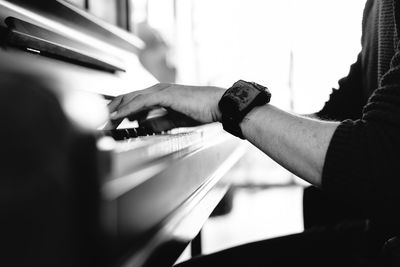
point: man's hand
(197, 102)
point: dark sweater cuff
(337, 176)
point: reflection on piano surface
(74, 195)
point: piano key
(132, 132)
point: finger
(121, 100)
(138, 104)
(125, 99)
(154, 90)
(114, 103)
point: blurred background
(298, 49)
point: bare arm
(297, 143)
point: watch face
(245, 94)
(237, 101)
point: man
(351, 155)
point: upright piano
(73, 194)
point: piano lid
(72, 17)
(27, 36)
(61, 27)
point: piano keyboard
(124, 134)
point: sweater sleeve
(347, 101)
(362, 165)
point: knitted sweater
(362, 165)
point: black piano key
(123, 134)
(119, 134)
(149, 131)
(141, 131)
(132, 132)
(126, 134)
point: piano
(72, 193)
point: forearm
(297, 143)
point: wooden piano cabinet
(49, 186)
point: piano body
(74, 195)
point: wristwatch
(237, 101)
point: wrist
(216, 112)
(255, 115)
